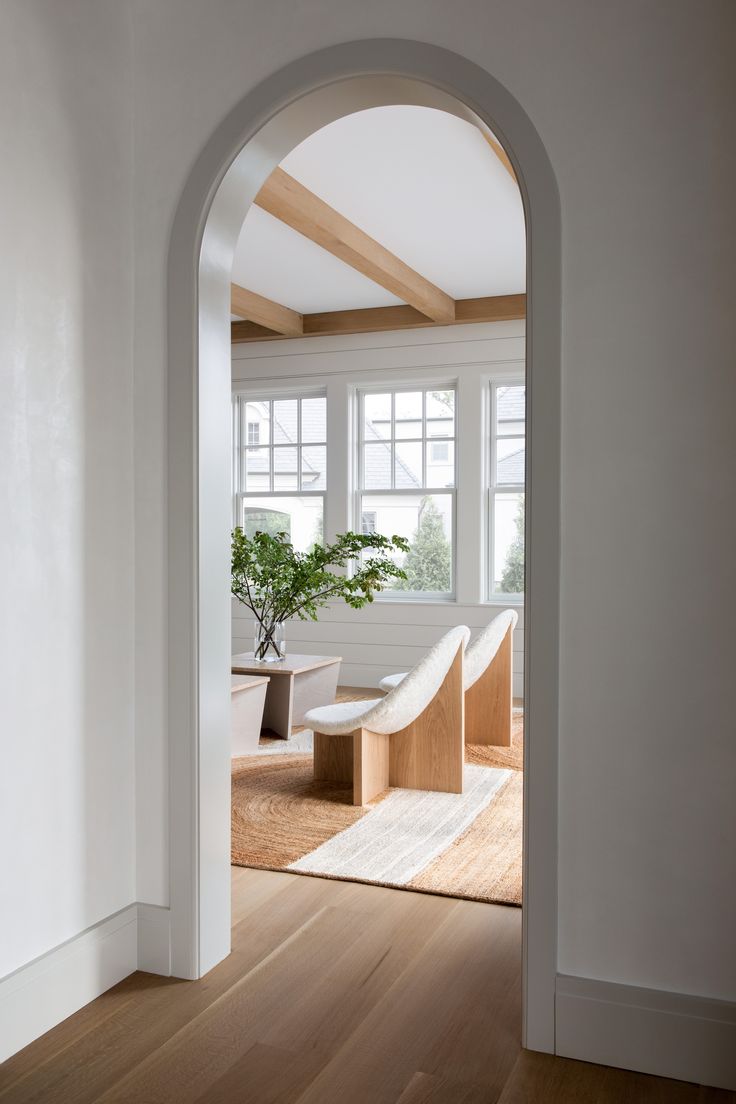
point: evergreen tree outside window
(507, 497)
(407, 481)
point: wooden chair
(411, 738)
(488, 679)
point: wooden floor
(334, 992)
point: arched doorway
(245, 148)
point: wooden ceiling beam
(289, 201)
(492, 308)
(501, 154)
(264, 312)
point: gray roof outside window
(510, 403)
(283, 453)
(511, 469)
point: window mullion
(469, 482)
(392, 450)
(299, 444)
(271, 453)
(424, 439)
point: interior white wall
(633, 105)
(389, 636)
(67, 806)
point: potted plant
(277, 583)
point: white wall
(633, 102)
(390, 636)
(67, 805)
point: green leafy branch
(276, 583)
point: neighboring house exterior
(284, 459)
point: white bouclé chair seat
(403, 704)
(478, 655)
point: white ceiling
(423, 183)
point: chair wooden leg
(333, 757)
(370, 765)
(489, 701)
(429, 753)
(360, 758)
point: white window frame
(240, 446)
(495, 488)
(359, 491)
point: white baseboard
(154, 939)
(39, 995)
(44, 992)
(649, 1030)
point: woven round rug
(460, 845)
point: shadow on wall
(67, 493)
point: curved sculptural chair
(488, 678)
(412, 738)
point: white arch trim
(263, 127)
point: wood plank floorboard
(334, 992)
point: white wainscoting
(380, 638)
(392, 636)
(669, 1034)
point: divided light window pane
(408, 453)
(440, 463)
(376, 417)
(257, 423)
(510, 461)
(510, 413)
(314, 465)
(408, 464)
(508, 550)
(440, 414)
(314, 420)
(408, 414)
(285, 469)
(300, 517)
(426, 521)
(257, 469)
(507, 491)
(283, 446)
(377, 463)
(285, 421)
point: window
(281, 473)
(439, 452)
(407, 480)
(508, 454)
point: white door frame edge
(258, 132)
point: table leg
(277, 713)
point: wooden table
(297, 683)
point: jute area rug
(458, 845)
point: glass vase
(269, 642)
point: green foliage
(277, 583)
(428, 565)
(512, 579)
(259, 520)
